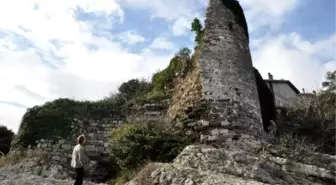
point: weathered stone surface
(226, 71)
(205, 165)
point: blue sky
(84, 49)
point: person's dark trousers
(79, 176)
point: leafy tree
(197, 27)
(133, 88)
(184, 53)
(330, 81)
(6, 137)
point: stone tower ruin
(226, 70)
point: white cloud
(87, 66)
(286, 55)
(11, 116)
(162, 43)
(131, 37)
(290, 57)
(181, 26)
(269, 13)
(178, 13)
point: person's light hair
(80, 139)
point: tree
(184, 53)
(330, 81)
(132, 88)
(6, 137)
(197, 27)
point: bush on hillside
(134, 88)
(6, 137)
(132, 145)
(314, 122)
(180, 64)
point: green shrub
(314, 122)
(180, 64)
(134, 88)
(197, 27)
(153, 96)
(133, 145)
(6, 137)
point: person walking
(79, 159)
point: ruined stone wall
(187, 92)
(227, 74)
(149, 112)
(97, 132)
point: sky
(84, 49)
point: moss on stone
(54, 119)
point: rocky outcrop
(35, 171)
(206, 165)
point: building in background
(285, 93)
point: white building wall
(284, 94)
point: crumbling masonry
(227, 79)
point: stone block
(212, 138)
(189, 133)
(204, 123)
(66, 146)
(215, 132)
(225, 123)
(56, 146)
(64, 159)
(192, 124)
(224, 131)
(101, 149)
(56, 158)
(62, 141)
(90, 148)
(94, 124)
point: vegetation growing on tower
(197, 28)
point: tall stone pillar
(226, 72)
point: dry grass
(312, 122)
(15, 157)
(12, 158)
(140, 176)
(144, 176)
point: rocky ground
(35, 171)
(197, 165)
(204, 165)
